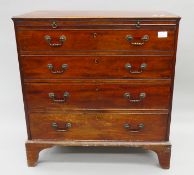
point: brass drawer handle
(138, 25)
(134, 130)
(143, 66)
(54, 25)
(137, 43)
(142, 95)
(144, 39)
(53, 71)
(52, 96)
(48, 39)
(56, 127)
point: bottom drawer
(122, 127)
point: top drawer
(152, 39)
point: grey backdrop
(95, 161)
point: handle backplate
(54, 71)
(128, 66)
(55, 126)
(132, 129)
(142, 95)
(143, 39)
(53, 97)
(48, 39)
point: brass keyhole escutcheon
(96, 60)
(94, 34)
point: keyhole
(94, 35)
(96, 61)
(97, 89)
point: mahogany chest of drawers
(97, 79)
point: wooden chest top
(98, 14)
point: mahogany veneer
(97, 79)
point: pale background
(95, 161)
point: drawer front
(61, 97)
(81, 67)
(103, 40)
(123, 127)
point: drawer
(81, 96)
(121, 127)
(91, 40)
(82, 67)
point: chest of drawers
(97, 79)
